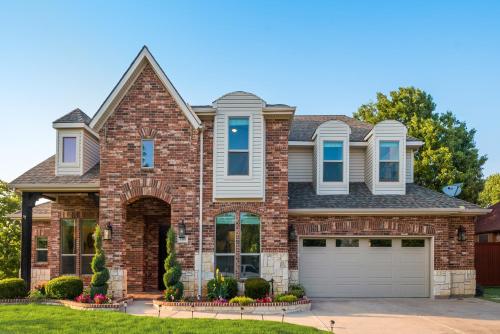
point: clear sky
(323, 57)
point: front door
(162, 254)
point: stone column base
(448, 283)
(293, 276)
(188, 279)
(117, 282)
(207, 264)
(275, 266)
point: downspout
(200, 222)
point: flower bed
(252, 308)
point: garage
(365, 267)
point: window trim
(380, 161)
(250, 254)
(41, 249)
(142, 151)
(226, 146)
(323, 160)
(75, 254)
(215, 244)
(81, 255)
(60, 147)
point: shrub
(174, 289)
(297, 290)
(35, 295)
(83, 298)
(99, 282)
(242, 300)
(285, 298)
(41, 287)
(256, 288)
(64, 287)
(12, 288)
(221, 287)
(232, 287)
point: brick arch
(146, 187)
(364, 228)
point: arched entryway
(147, 220)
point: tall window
(42, 249)
(389, 161)
(147, 153)
(69, 150)
(225, 243)
(250, 245)
(68, 249)
(238, 143)
(87, 227)
(333, 165)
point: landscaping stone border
(116, 306)
(254, 308)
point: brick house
(249, 188)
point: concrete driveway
(402, 315)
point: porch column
(28, 202)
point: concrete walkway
(379, 315)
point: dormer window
(333, 164)
(389, 161)
(238, 144)
(69, 150)
(147, 153)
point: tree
(99, 282)
(10, 233)
(449, 154)
(491, 192)
(174, 289)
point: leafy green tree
(10, 233)
(449, 154)
(491, 192)
(174, 289)
(99, 282)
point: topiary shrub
(256, 288)
(12, 288)
(174, 289)
(297, 290)
(99, 282)
(64, 287)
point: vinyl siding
(300, 164)
(409, 165)
(90, 151)
(357, 165)
(369, 164)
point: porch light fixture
(182, 230)
(107, 232)
(461, 233)
(292, 235)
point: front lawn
(492, 293)
(57, 319)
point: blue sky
(325, 57)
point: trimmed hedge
(297, 290)
(256, 288)
(13, 288)
(64, 287)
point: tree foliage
(174, 289)
(99, 282)
(449, 154)
(10, 233)
(491, 192)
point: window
(238, 143)
(347, 243)
(250, 245)
(69, 150)
(87, 227)
(314, 243)
(380, 243)
(147, 153)
(42, 249)
(68, 249)
(389, 161)
(225, 243)
(413, 243)
(333, 170)
(483, 237)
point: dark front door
(162, 254)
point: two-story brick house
(250, 188)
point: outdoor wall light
(292, 235)
(107, 232)
(182, 230)
(461, 233)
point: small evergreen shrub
(256, 288)
(174, 289)
(241, 300)
(12, 288)
(64, 287)
(231, 286)
(285, 298)
(35, 295)
(297, 290)
(221, 287)
(99, 282)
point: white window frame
(78, 139)
(380, 161)
(41, 249)
(153, 158)
(249, 150)
(323, 160)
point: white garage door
(365, 267)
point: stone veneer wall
(454, 283)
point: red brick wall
(40, 229)
(449, 253)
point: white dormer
(331, 158)
(385, 164)
(77, 146)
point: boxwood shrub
(12, 288)
(297, 290)
(256, 288)
(64, 287)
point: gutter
(200, 222)
(459, 211)
(59, 187)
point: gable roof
(489, 222)
(74, 116)
(128, 78)
(40, 212)
(304, 126)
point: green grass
(40, 319)
(492, 293)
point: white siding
(239, 187)
(409, 166)
(369, 164)
(315, 168)
(357, 165)
(90, 151)
(300, 164)
(69, 168)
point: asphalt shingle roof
(490, 222)
(301, 195)
(74, 116)
(40, 211)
